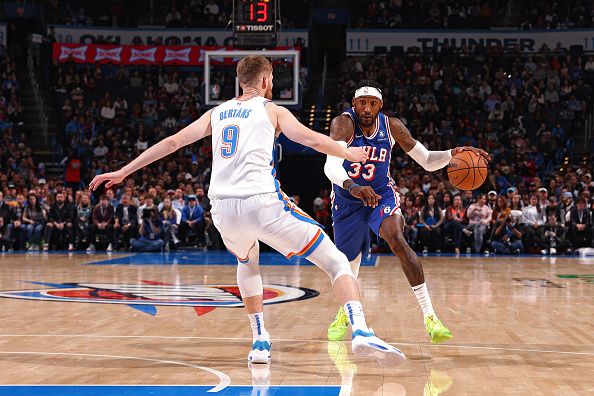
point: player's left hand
(111, 178)
(366, 195)
(478, 151)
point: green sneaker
(437, 331)
(339, 327)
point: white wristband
(334, 170)
(430, 160)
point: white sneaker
(70, 247)
(553, 251)
(487, 253)
(109, 248)
(260, 352)
(366, 344)
(543, 252)
(91, 248)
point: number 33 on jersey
(376, 171)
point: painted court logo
(147, 295)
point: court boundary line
(180, 385)
(224, 379)
(292, 340)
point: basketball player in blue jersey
(364, 195)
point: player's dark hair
(369, 83)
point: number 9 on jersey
(229, 139)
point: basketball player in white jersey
(248, 205)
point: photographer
(150, 232)
(507, 237)
(553, 236)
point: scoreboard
(254, 23)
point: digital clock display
(255, 23)
(257, 12)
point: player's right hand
(366, 195)
(356, 154)
(111, 178)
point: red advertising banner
(134, 54)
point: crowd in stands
(461, 14)
(197, 14)
(550, 14)
(471, 14)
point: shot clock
(254, 23)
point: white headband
(368, 91)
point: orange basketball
(467, 170)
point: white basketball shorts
(271, 218)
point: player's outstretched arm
(193, 132)
(429, 160)
(341, 130)
(299, 133)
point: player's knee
(331, 260)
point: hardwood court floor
(519, 328)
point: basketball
(467, 170)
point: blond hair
(250, 68)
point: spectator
(321, 206)
(61, 221)
(580, 225)
(454, 222)
(150, 232)
(553, 236)
(192, 221)
(430, 220)
(149, 203)
(169, 220)
(5, 244)
(34, 219)
(410, 214)
(125, 223)
(492, 199)
(17, 229)
(84, 214)
(533, 218)
(543, 198)
(178, 201)
(479, 217)
(4, 209)
(501, 210)
(103, 221)
(507, 237)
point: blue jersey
(376, 171)
(351, 219)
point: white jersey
(242, 150)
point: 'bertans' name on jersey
(372, 153)
(235, 113)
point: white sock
(355, 264)
(354, 311)
(423, 298)
(258, 330)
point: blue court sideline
(206, 258)
(165, 390)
